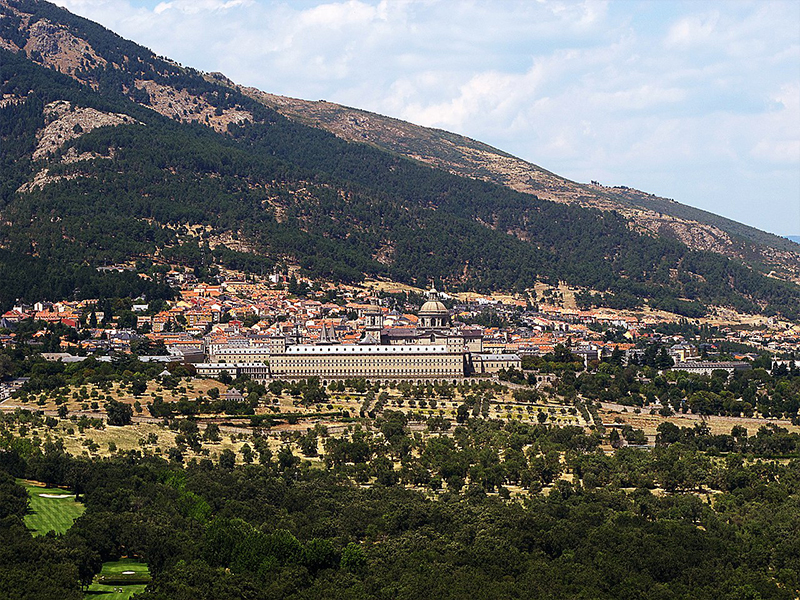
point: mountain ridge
(203, 174)
(697, 228)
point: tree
(118, 413)
(211, 433)
(286, 459)
(6, 366)
(319, 554)
(308, 443)
(617, 357)
(664, 360)
(175, 454)
(138, 386)
(353, 558)
(227, 459)
(614, 439)
(668, 433)
(314, 393)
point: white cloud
(639, 98)
(693, 30)
(338, 15)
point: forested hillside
(125, 156)
(699, 229)
(282, 529)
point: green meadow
(116, 582)
(50, 514)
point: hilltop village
(296, 353)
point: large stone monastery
(432, 351)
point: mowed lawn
(118, 590)
(50, 514)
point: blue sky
(696, 101)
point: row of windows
(370, 373)
(368, 362)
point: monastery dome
(433, 307)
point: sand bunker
(129, 572)
(56, 495)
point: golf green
(119, 580)
(50, 509)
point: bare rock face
(56, 47)
(41, 179)
(67, 123)
(71, 156)
(183, 106)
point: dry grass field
(716, 424)
(85, 398)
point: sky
(698, 101)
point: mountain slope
(112, 154)
(463, 156)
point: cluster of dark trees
(57, 377)
(625, 300)
(309, 391)
(769, 440)
(774, 393)
(744, 393)
(481, 455)
(186, 408)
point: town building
(707, 368)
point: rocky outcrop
(43, 178)
(183, 106)
(59, 49)
(66, 122)
(49, 44)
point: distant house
(15, 316)
(257, 371)
(233, 394)
(487, 363)
(65, 357)
(683, 353)
(707, 367)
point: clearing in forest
(119, 580)
(51, 509)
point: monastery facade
(433, 351)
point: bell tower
(373, 320)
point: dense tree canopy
(279, 529)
